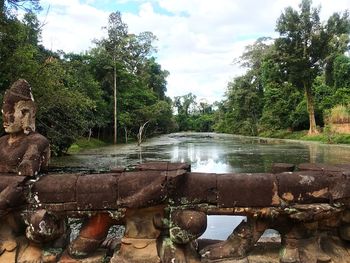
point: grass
(325, 137)
(84, 143)
(339, 114)
(342, 138)
(317, 138)
(284, 134)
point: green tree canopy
(305, 45)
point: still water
(207, 152)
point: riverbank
(85, 143)
(327, 138)
(324, 137)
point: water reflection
(203, 158)
(220, 227)
(221, 153)
(209, 152)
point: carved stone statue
(23, 154)
(22, 151)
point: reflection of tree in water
(260, 157)
(232, 155)
(331, 154)
(313, 153)
(219, 153)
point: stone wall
(163, 208)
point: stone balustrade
(164, 206)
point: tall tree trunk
(115, 99)
(310, 109)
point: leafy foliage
(193, 116)
(301, 75)
(293, 81)
(339, 114)
(74, 92)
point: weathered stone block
(194, 188)
(306, 187)
(251, 190)
(56, 188)
(140, 189)
(97, 191)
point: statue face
(22, 119)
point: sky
(198, 40)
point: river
(206, 152)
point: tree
(280, 103)
(337, 38)
(64, 113)
(27, 5)
(73, 91)
(68, 97)
(254, 54)
(241, 111)
(338, 92)
(138, 48)
(304, 43)
(18, 51)
(244, 104)
(6, 7)
(185, 105)
(79, 77)
(162, 117)
(127, 54)
(117, 33)
(280, 97)
(155, 77)
(341, 72)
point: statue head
(18, 110)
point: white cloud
(71, 26)
(198, 39)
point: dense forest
(76, 93)
(299, 80)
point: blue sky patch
(125, 6)
(108, 5)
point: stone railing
(164, 207)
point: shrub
(338, 114)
